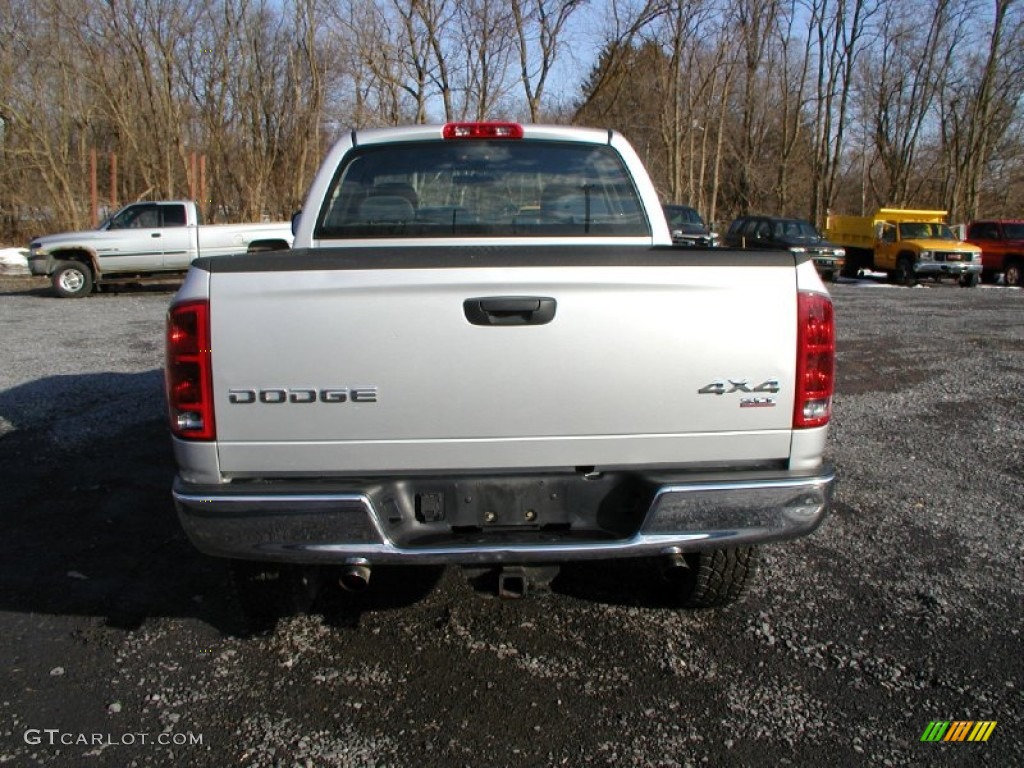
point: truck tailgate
(344, 364)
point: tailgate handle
(509, 310)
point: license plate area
(435, 511)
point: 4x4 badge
(728, 386)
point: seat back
(381, 208)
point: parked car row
(161, 239)
(763, 232)
(908, 245)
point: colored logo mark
(958, 730)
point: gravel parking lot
(125, 647)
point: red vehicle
(1002, 247)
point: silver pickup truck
(486, 351)
(144, 240)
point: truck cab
(1002, 249)
(168, 228)
(912, 249)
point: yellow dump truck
(905, 244)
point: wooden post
(93, 197)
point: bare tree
(836, 29)
(723, 104)
(917, 48)
(978, 105)
(136, 72)
(421, 27)
(308, 81)
(755, 23)
(487, 29)
(539, 27)
(436, 17)
(624, 27)
(682, 89)
(47, 140)
(793, 101)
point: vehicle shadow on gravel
(169, 287)
(19, 286)
(90, 527)
(631, 582)
(22, 285)
(390, 588)
(89, 524)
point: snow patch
(13, 261)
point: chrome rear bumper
(387, 522)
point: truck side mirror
(295, 222)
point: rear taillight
(482, 131)
(815, 360)
(188, 375)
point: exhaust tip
(355, 578)
(674, 567)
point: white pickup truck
(149, 239)
(486, 351)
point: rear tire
(1013, 275)
(72, 280)
(717, 578)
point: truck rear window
(490, 188)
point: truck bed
(613, 378)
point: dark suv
(688, 228)
(793, 235)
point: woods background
(773, 106)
